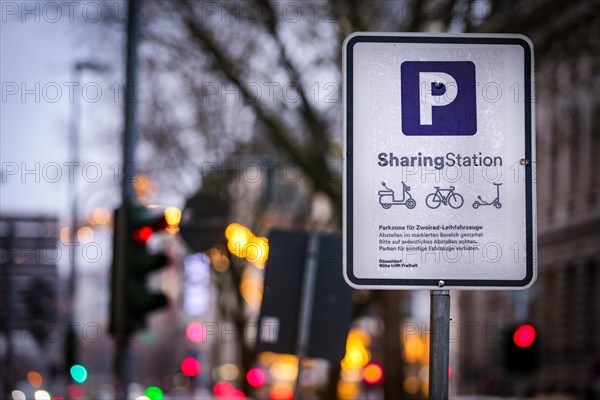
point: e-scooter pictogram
(387, 197)
(446, 197)
(496, 202)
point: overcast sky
(37, 57)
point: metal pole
(71, 341)
(7, 323)
(74, 156)
(130, 132)
(306, 306)
(71, 346)
(122, 357)
(439, 345)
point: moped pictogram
(496, 202)
(387, 197)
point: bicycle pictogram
(447, 197)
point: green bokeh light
(79, 373)
(154, 393)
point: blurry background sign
(332, 307)
(196, 291)
(204, 220)
(29, 250)
(331, 310)
(282, 291)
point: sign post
(439, 168)
(439, 345)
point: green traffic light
(79, 373)
(154, 393)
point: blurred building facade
(564, 304)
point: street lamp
(74, 136)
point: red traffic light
(143, 234)
(524, 335)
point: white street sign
(439, 161)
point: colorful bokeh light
(35, 379)
(75, 392)
(154, 393)
(256, 377)
(190, 366)
(282, 393)
(79, 373)
(373, 373)
(195, 332)
(41, 395)
(223, 389)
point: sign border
(348, 184)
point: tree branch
(315, 125)
(276, 127)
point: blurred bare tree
(225, 73)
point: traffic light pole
(7, 268)
(439, 344)
(122, 369)
(121, 335)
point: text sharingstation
(438, 162)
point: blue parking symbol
(438, 98)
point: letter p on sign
(437, 89)
(438, 98)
